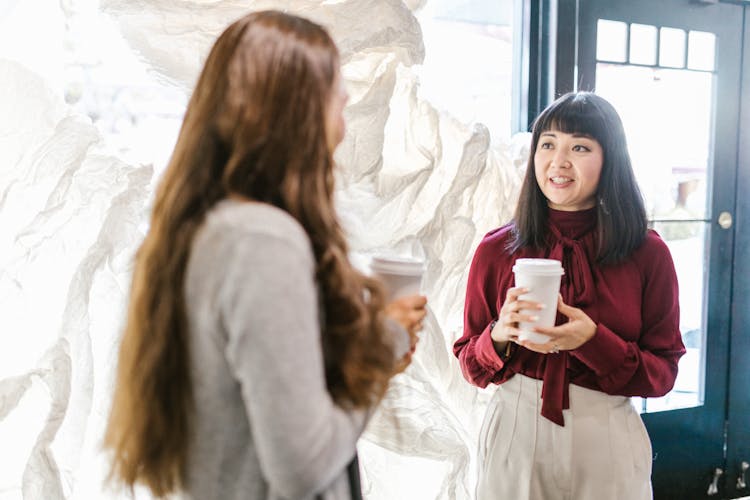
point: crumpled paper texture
(69, 216)
(411, 180)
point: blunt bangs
(575, 114)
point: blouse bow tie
(577, 290)
(580, 289)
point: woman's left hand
(571, 335)
(409, 312)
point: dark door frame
(535, 26)
(545, 63)
(738, 428)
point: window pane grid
(635, 44)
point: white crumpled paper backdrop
(72, 213)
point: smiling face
(568, 168)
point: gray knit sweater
(265, 427)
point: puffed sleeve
(646, 367)
(480, 362)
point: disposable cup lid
(539, 266)
(407, 266)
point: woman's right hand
(506, 328)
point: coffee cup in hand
(401, 276)
(541, 277)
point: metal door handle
(725, 220)
(741, 484)
(713, 488)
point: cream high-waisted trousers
(602, 453)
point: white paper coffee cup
(542, 279)
(401, 276)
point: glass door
(672, 69)
(738, 428)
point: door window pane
(672, 48)
(687, 242)
(667, 117)
(643, 44)
(611, 41)
(701, 50)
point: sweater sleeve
(646, 367)
(475, 350)
(270, 311)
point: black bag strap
(355, 486)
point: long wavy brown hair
(254, 128)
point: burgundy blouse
(634, 304)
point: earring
(603, 205)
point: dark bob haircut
(621, 215)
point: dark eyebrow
(583, 136)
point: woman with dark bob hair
(253, 351)
(560, 425)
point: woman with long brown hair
(253, 350)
